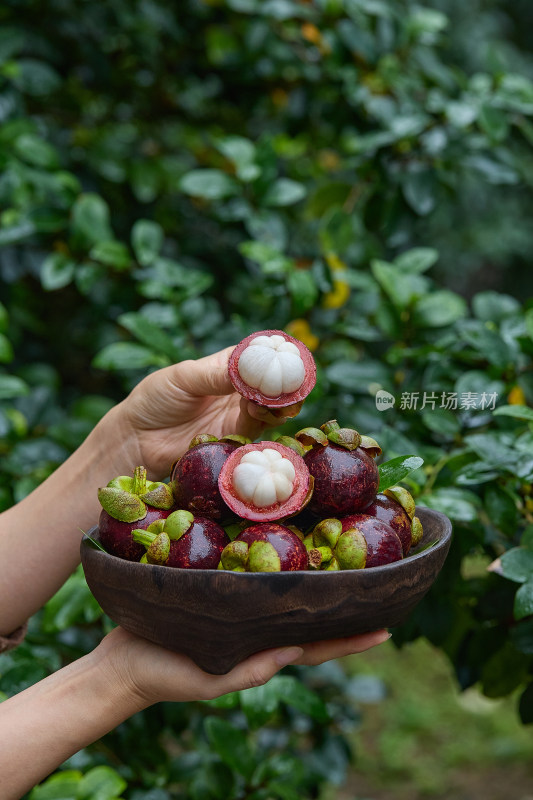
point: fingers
(256, 670)
(206, 376)
(318, 652)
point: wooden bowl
(218, 618)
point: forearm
(40, 536)
(47, 723)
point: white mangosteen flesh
(273, 365)
(264, 477)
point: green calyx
(205, 438)
(125, 498)
(159, 551)
(370, 446)
(177, 523)
(311, 437)
(333, 549)
(331, 432)
(122, 505)
(234, 438)
(263, 557)
(234, 557)
(157, 545)
(403, 497)
(294, 444)
(327, 532)
(351, 550)
(416, 532)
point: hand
(164, 411)
(154, 674)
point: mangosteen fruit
(182, 540)
(396, 507)
(194, 477)
(129, 503)
(383, 545)
(266, 547)
(272, 369)
(265, 481)
(341, 461)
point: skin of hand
(124, 674)
(151, 427)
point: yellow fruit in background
(300, 329)
(516, 397)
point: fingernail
(288, 655)
(385, 637)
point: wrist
(116, 661)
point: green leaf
(494, 306)
(101, 783)
(150, 334)
(61, 786)
(525, 706)
(36, 151)
(504, 671)
(6, 350)
(15, 233)
(35, 77)
(493, 171)
(458, 504)
(72, 603)
(527, 538)
(501, 509)
(302, 289)
(393, 471)
(126, 356)
(231, 744)
(146, 239)
(57, 271)
(517, 564)
(439, 308)
(296, 694)
(418, 259)
(211, 184)
(112, 254)
(11, 386)
(516, 412)
(4, 318)
(358, 376)
(523, 603)
(515, 92)
(270, 259)
(284, 192)
(420, 192)
(529, 323)
(441, 421)
(90, 220)
(402, 287)
(494, 123)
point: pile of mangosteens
(308, 502)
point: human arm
(124, 674)
(152, 426)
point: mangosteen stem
(139, 481)
(143, 537)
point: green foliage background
(358, 172)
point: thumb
(205, 376)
